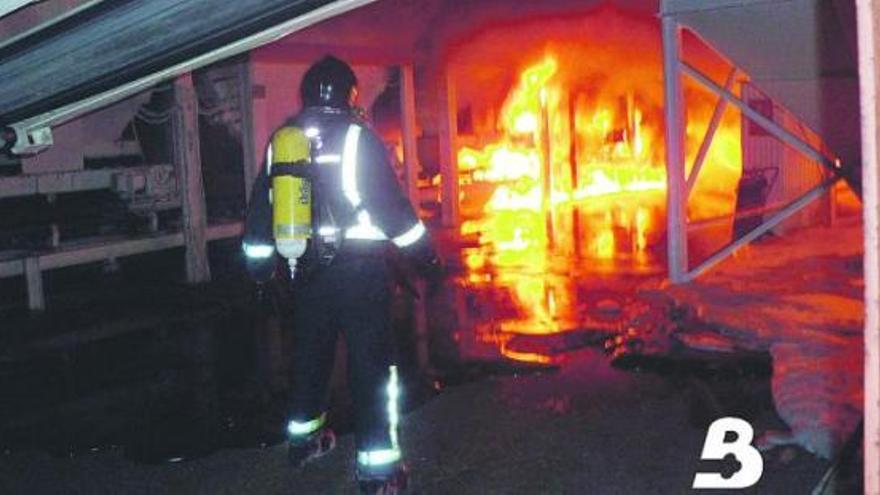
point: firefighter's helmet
(328, 83)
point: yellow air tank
(291, 194)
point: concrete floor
(583, 428)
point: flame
(560, 152)
(522, 108)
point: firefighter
(341, 281)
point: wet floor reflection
(161, 385)
(567, 271)
(164, 373)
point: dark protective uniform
(356, 183)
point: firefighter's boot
(389, 479)
(302, 450)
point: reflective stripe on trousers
(351, 295)
(379, 457)
(303, 428)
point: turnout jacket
(354, 181)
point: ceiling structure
(801, 52)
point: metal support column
(676, 244)
(768, 125)
(408, 126)
(188, 158)
(448, 134)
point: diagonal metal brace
(772, 127)
(720, 107)
(765, 227)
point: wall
(869, 76)
(93, 135)
(790, 173)
(800, 53)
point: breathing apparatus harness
(304, 226)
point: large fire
(574, 175)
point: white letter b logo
(716, 449)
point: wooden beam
(408, 125)
(246, 110)
(75, 181)
(34, 278)
(32, 267)
(448, 134)
(102, 249)
(868, 23)
(676, 201)
(188, 159)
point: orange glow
(570, 171)
(525, 357)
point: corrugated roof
(118, 41)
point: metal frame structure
(680, 185)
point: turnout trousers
(351, 295)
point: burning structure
(547, 143)
(538, 132)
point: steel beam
(720, 107)
(773, 128)
(676, 244)
(751, 212)
(765, 227)
(670, 7)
